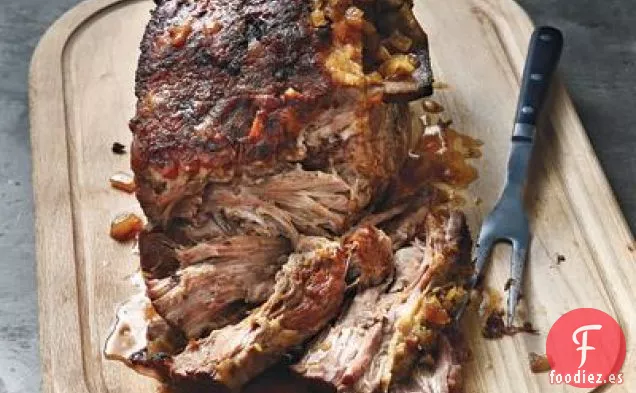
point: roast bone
(266, 131)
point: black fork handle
(544, 53)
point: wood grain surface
(82, 97)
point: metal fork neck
(519, 160)
(524, 131)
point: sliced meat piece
(404, 217)
(429, 307)
(382, 334)
(371, 257)
(235, 250)
(219, 283)
(307, 295)
(333, 358)
(212, 284)
(342, 354)
(406, 227)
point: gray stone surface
(598, 66)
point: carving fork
(508, 220)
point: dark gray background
(598, 66)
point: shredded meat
(307, 295)
(379, 338)
(444, 377)
(217, 282)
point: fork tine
(519, 254)
(485, 243)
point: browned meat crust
(241, 87)
(208, 68)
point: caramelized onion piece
(398, 67)
(354, 17)
(435, 313)
(126, 227)
(431, 106)
(539, 363)
(380, 46)
(343, 69)
(179, 34)
(123, 181)
(318, 18)
(374, 78)
(402, 91)
(417, 86)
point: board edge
(52, 202)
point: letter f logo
(583, 344)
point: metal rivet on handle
(527, 110)
(536, 77)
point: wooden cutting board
(81, 94)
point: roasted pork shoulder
(266, 138)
